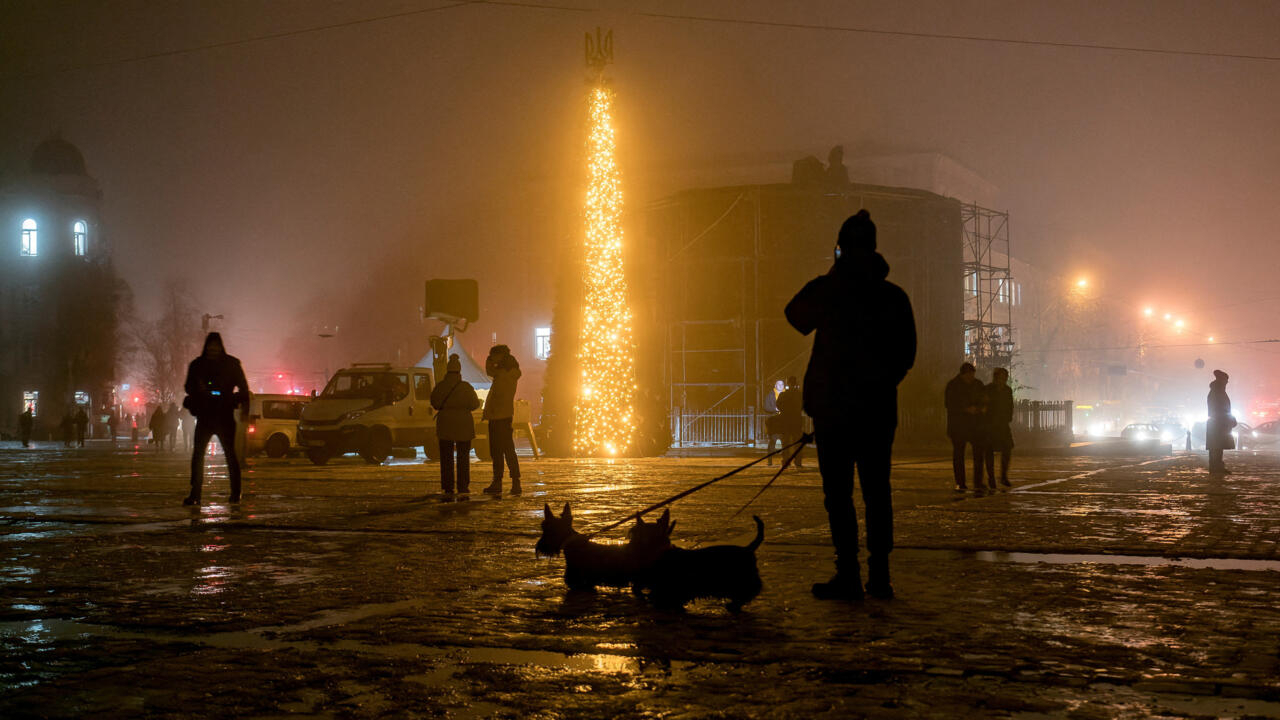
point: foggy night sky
(283, 178)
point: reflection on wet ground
(1095, 589)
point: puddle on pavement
(1147, 560)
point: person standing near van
(499, 410)
(454, 400)
(215, 387)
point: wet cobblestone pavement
(1096, 588)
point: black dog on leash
(680, 575)
(588, 564)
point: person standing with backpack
(499, 410)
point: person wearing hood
(215, 388)
(499, 410)
(1217, 435)
(865, 343)
(454, 400)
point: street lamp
(1082, 283)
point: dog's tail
(759, 534)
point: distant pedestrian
(26, 421)
(963, 397)
(169, 430)
(771, 420)
(851, 392)
(68, 428)
(215, 387)
(454, 399)
(499, 411)
(82, 425)
(113, 425)
(1217, 432)
(791, 418)
(156, 426)
(187, 426)
(999, 434)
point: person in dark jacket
(1217, 431)
(26, 421)
(215, 387)
(999, 434)
(790, 421)
(964, 400)
(499, 410)
(156, 426)
(113, 425)
(454, 400)
(82, 425)
(865, 343)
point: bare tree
(166, 344)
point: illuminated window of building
(82, 397)
(29, 237)
(542, 343)
(80, 233)
(31, 399)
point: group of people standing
(171, 425)
(979, 416)
(74, 426)
(454, 399)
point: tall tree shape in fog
(604, 420)
(169, 342)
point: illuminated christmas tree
(604, 416)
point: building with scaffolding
(725, 261)
(990, 292)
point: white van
(371, 409)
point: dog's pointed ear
(546, 511)
(670, 527)
(567, 513)
(639, 521)
(665, 520)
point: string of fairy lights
(604, 417)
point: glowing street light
(1082, 283)
(1168, 316)
(1210, 338)
(1148, 312)
(1179, 323)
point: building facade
(58, 292)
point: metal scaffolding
(989, 290)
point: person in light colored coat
(454, 399)
(499, 410)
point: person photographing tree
(215, 387)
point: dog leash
(806, 438)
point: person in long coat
(790, 421)
(454, 400)
(999, 434)
(499, 411)
(26, 421)
(964, 402)
(1217, 431)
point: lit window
(29, 237)
(82, 397)
(31, 399)
(80, 233)
(542, 343)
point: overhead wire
(818, 27)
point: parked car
(371, 409)
(272, 425)
(1266, 435)
(1243, 433)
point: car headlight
(1253, 434)
(353, 415)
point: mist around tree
(161, 346)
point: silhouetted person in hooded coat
(1217, 431)
(864, 345)
(790, 422)
(215, 387)
(26, 421)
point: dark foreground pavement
(1097, 588)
